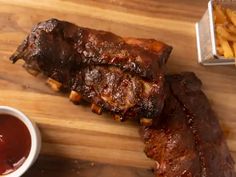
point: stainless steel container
(205, 33)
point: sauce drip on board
(15, 143)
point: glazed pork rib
(121, 75)
(127, 77)
(188, 142)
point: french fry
(225, 27)
(231, 15)
(230, 28)
(228, 52)
(234, 48)
(222, 31)
(220, 50)
(218, 41)
(220, 16)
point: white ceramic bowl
(35, 140)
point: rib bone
(117, 117)
(96, 109)
(55, 85)
(75, 97)
(146, 121)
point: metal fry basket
(205, 33)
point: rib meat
(118, 92)
(127, 77)
(122, 75)
(188, 142)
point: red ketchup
(15, 143)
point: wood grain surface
(73, 131)
(51, 166)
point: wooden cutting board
(73, 131)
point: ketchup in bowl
(15, 143)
